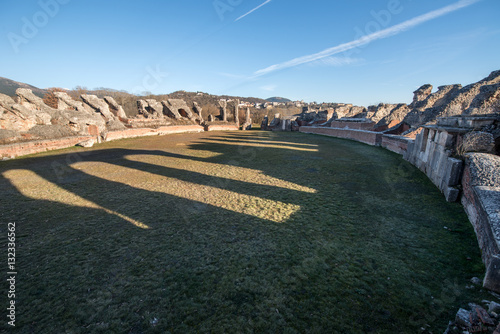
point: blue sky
(362, 52)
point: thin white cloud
(336, 61)
(388, 32)
(230, 75)
(253, 10)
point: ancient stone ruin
(223, 121)
(150, 108)
(223, 110)
(197, 109)
(481, 98)
(452, 135)
(248, 121)
(32, 126)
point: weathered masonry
(447, 152)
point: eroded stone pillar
(265, 123)
(237, 112)
(197, 109)
(223, 110)
(248, 121)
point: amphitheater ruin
(452, 135)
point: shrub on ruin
(476, 141)
(50, 99)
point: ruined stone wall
(353, 125)
(481, 200)
(435, 148)
(367, 137)
(38, 127)
(19, 149)
(480, 98)
(144, 132)
(396, 144)
(430, 152)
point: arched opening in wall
(183, 113)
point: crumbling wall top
(484, 169)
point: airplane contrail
(253, 10)
(391, 31)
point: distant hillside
(8, 87)
(278, 99)
(128, 101)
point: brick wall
(19, 149)
(367, 137)
(164, 130)
(396, 144)
(367, 126)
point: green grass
(236, 232)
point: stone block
(421, 140)
(87, 143)
(445, 139)
(492, 278)
(463, 318)
(489, 197)
(396, 144)
(484, 169)
(453, 172)
(448, 121)
(409, 155)
(432, 134)
(451, 194)
(221, 127)
(438, 165)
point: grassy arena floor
(238, 232)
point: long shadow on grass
(378, 228)
(367, 252)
